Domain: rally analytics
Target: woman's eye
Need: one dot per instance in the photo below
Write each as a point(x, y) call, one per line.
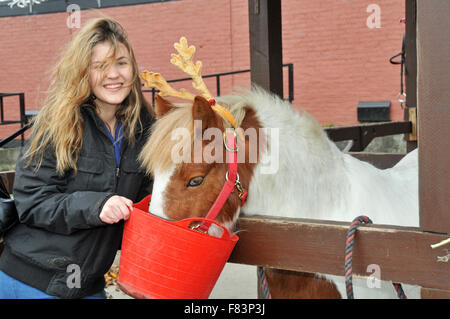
point(195, 181)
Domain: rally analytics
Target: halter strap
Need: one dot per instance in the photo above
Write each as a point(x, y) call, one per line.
point(228, 187)
point(231, 181)
point(231, 177)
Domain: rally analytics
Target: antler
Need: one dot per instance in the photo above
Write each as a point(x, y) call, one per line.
point(184, 61)
point(156, 80)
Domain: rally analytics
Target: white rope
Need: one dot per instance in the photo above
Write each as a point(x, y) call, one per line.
point(442, 243)
point(442, 259)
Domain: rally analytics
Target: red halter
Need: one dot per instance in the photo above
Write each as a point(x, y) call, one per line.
point(232, 179)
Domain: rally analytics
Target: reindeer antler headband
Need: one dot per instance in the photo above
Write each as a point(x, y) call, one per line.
point(184, 61)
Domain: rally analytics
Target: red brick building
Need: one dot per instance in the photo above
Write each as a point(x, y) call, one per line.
point(340, 49)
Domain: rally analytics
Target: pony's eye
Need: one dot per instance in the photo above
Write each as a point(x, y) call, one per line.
point(195, 181)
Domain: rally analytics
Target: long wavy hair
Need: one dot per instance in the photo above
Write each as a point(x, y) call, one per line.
point(59, 123)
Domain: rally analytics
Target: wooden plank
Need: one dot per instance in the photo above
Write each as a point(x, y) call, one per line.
point(266, 56)
point(403, 254)
point(429, 293)
point(412, 111)
point(433, 52)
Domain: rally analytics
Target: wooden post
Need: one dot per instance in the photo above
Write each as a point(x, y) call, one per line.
point(266, 57)
point(265, 45)
point(433, 70)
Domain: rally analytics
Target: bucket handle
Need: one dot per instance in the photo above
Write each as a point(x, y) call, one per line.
point(185, 223)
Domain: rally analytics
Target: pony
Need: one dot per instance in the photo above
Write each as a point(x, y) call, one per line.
point(288, 167)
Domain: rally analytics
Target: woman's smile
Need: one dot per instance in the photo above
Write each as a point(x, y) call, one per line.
point(113, 87)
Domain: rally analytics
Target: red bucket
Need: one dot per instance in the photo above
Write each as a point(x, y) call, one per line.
point(168, 260)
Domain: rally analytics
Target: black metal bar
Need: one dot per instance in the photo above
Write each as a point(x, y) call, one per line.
point(362, 135)
point(23, 118)
point(290, 81)
point(22, 121)
point(14, 135)
point(7, 122)
point(218, 85)
point(1, 109)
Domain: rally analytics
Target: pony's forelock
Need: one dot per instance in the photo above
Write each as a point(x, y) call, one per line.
point(156, 155)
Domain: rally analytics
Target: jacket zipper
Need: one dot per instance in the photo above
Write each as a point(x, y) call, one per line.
point(117, 179)
point(118, 167)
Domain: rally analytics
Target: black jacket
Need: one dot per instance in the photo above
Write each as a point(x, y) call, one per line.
point(60, 234)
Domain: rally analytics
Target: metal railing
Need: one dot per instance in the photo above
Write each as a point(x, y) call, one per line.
point(218, 76)
point(22, 120)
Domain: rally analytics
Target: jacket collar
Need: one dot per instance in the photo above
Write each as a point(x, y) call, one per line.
point(88, 108)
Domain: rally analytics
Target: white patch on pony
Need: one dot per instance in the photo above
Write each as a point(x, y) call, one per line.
point(217, 231)
point(160, 182)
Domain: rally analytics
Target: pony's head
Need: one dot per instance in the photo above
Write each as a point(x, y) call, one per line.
point(188, 159)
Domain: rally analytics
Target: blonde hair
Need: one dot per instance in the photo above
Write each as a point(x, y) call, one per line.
point(59, 123)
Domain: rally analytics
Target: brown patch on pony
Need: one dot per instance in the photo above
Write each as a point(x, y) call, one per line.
point(287, 284)
point(184, 202)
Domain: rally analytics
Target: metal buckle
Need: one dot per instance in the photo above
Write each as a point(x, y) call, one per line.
point(237, 177)
point(239, 188)
point(237, 184)
point(225, 141)
point(198, 228)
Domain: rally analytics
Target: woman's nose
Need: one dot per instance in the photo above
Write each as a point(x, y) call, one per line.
point(112, 71)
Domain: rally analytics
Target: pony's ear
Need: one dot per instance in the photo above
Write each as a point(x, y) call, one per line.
point(162, 106)
point(202, 111)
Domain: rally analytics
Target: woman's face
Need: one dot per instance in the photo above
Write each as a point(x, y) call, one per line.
point(111, 85)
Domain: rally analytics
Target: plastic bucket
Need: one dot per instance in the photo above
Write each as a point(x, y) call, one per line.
point(167, 260)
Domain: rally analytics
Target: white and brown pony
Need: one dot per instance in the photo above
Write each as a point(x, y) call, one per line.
point(289, 167)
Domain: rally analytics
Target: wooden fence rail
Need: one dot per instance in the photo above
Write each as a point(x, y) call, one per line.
point(403, 254)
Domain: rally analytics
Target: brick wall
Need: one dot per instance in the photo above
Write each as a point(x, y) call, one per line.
point(338, 60)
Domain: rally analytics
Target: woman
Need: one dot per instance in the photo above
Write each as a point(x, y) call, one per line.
point(78, 177)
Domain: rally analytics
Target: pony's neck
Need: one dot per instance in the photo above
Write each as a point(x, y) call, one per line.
point(302, 173)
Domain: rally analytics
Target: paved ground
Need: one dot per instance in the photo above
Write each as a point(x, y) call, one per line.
point(236, 282)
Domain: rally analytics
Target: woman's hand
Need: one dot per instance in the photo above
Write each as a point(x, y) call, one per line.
point(115, 209)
